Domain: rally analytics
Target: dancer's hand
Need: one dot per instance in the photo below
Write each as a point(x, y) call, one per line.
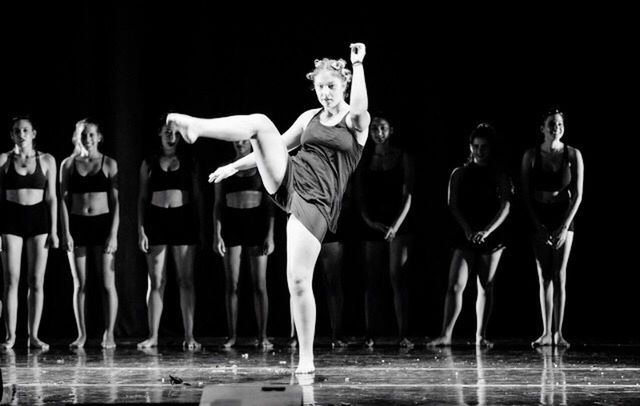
point(268, 246)
point(111, 245)
point(52, 241)
point(221, 173)
point(67, 244)
point(143, 242)
point(218, 246)
point(390, 234)
point(358, 51)
point(559, 237)
point(479, 237)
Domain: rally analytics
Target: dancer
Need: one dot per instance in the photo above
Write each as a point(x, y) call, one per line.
point(169, 200)
point(243, 223)
point(29, 220)
point(308, 186)
point(90, 216)
point(552, 181)
point(384, 184)
point(479, 199)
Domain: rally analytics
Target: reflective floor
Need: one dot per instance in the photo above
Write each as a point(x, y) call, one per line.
point(510, 373)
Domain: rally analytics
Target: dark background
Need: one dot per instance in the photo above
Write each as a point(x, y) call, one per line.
point(435, 74)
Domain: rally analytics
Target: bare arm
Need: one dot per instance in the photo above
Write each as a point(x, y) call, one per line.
point(407, 192)
point(505, 190)
point(359, 100)
point(525, 179)
point(198, 201)
point(218, 242)
point(114, 207)
point(143, 198)
point(65, 202)
point(50, 197)
point(454, 194)
point(577, 166)
point(3, 163)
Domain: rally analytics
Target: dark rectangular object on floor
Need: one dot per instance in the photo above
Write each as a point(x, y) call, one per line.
point(251, 394)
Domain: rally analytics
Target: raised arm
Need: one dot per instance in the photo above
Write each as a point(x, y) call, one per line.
point(359, 101)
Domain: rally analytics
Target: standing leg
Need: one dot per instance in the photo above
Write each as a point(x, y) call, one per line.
point(258, 266)
point(231, 261)
point(372, 259)
point(560, 260)
point(184, 256)
point(543, 254)
point(13, 254)
point(458, 275)
point(37, 254)
point(486, 266)
point(157, 268)
point(302, 252)
point(398, 273)
point(78, 266)
point(105, 264)
point(331, 264)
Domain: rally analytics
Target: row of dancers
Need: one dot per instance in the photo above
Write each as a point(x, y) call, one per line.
point(308, 185)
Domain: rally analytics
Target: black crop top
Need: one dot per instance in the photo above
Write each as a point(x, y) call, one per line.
point(242, 183)
point(89, 183)
point(13, 180)
point(551, 181)
point(160, 179)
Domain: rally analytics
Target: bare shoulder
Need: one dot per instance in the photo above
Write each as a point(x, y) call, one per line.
point(457, 172)
point(110, 163)
point(574, 153)
point(306, 117)
point(67, 162)
point(47, 159)
point(4, 157)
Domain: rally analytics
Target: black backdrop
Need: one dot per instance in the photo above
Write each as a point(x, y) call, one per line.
point(436, 75)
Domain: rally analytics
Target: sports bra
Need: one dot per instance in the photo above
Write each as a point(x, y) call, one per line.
point(160, 180)
point(89, 183)
point(13, 180)
point(549, 180)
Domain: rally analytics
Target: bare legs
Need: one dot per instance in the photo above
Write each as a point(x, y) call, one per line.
point(461, 262)
point(331, 262)
point(258, 267)
point(303, 250)
point(156, 262)
point(37, 254)
point(104, 264)
point(552, 273)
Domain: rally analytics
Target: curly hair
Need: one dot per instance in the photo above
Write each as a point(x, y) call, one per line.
point(337, 66)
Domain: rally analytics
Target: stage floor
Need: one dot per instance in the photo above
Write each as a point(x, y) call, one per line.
point(510, 373)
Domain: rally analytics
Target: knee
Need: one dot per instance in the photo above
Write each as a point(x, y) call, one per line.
point(260, 290)
point(185, 283)
point(456, 288)
point(157, 282)
point(261, 121)
point(35, 283)
point(231, 288)
point(299, 286)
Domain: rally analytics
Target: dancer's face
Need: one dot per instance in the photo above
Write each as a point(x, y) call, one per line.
point(22, 133)
point(329, 88)
point(242, 147)
point(90, 137)
point(553, 128)
point(380, 130)
point(480, 150)
point(169, 137)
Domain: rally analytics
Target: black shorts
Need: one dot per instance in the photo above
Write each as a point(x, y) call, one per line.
point(170, 226)
point(494, 242)
point(552, 215)
point(89, 230)
point(25, 221)
point(245, 227)
point(292, 203)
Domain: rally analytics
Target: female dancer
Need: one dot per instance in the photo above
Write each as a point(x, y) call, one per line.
point(243, 222)
point(90, 215)
point(169, 199)
point(29, 220)
point(552, 180)
point(308, 186)
point(479, 199)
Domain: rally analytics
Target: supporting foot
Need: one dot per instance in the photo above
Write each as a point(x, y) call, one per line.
point(442, 341)
point(35, 342)
point(542, 341)
point(148, 343)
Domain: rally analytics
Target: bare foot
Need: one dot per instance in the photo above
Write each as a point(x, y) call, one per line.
point(35, 342)
point(8, 344)
point(305, 366)
point(442, 341)
point(559, 341)
point(148, 343)
point(184, 124)
point(231, 341)
point(79, 342)
point(483, 342)
point(542, 341)
point(368, 342)
point(191, 344)
point(339, 343)
point(108, 341)
point(265, 344)
point(405, 343)
point(292, 342)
